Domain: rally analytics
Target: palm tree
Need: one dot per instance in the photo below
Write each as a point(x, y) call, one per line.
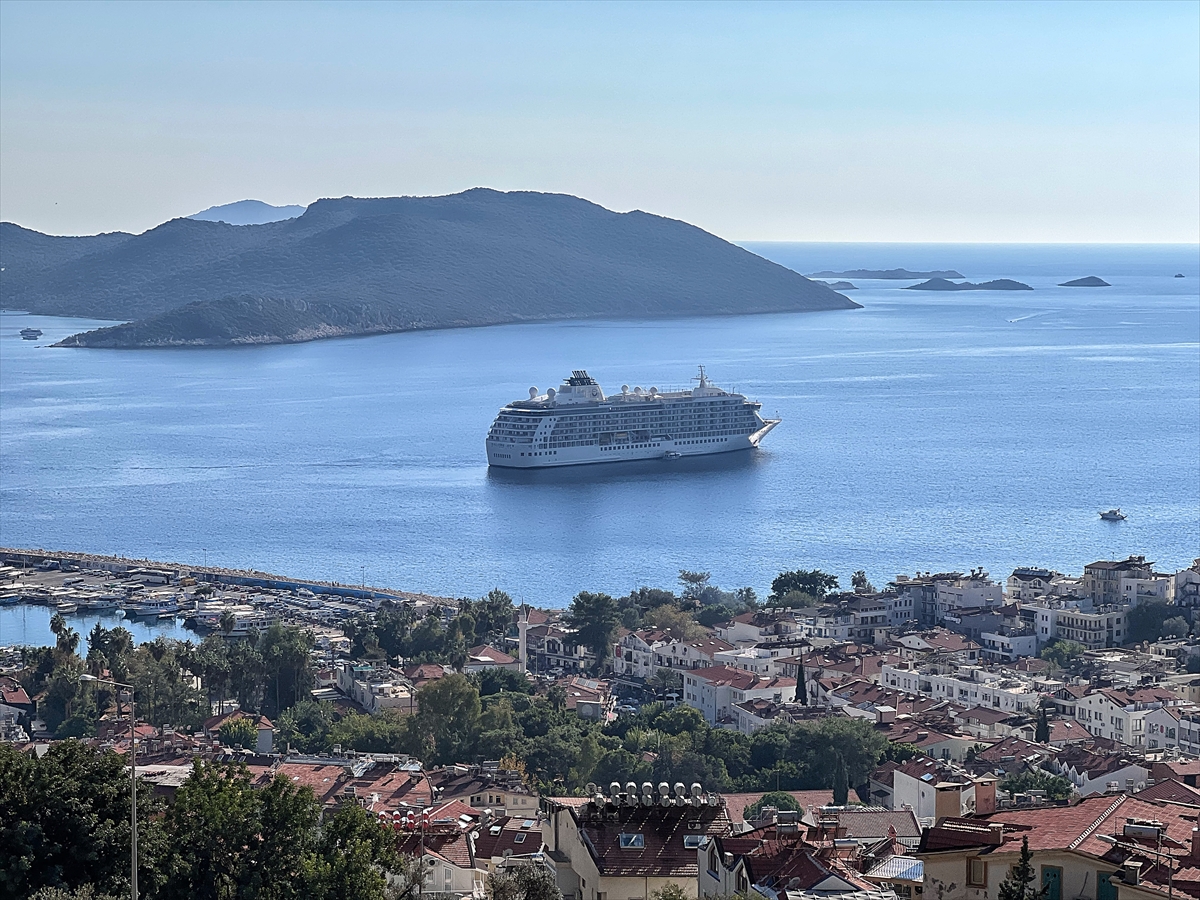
point(227, 622)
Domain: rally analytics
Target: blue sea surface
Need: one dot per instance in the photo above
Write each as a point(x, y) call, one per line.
point(925, 431)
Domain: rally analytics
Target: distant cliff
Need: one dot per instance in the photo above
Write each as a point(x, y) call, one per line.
point(354, 266)
point(941, 284)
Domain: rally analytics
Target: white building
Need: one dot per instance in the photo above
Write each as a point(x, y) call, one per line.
point(1078, 620)
point(698, 654)
point(1120, 715)
point(758, 660)
point(1029, 583)
point(633, 654)
point(764, 626)
point(1008, 645)
point(715, 689)
point(374, 687)
point(969, 685)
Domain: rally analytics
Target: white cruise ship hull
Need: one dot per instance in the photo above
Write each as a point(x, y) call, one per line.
point(507, 456)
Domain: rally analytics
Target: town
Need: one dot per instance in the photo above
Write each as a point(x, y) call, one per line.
point(948, 735)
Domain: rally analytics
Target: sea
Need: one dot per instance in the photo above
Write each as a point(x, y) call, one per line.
point(922, 432)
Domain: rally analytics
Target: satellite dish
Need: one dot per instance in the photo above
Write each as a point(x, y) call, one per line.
point(624, 389)
point(653, 391)
point(533, 392)
point(550, 394)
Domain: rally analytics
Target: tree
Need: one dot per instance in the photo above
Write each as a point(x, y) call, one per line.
point(841, 784)
point(1144, 622)
point(669, 892)
point(239, 732)
point(861, 585)
point(693, 583)
point(227, 622)
point(1042, 733)
point(1019, 883)
point(1055, 786)
point(526, 881)
point(1176, 626)
point(594, 618)
point(64, 823)
point(777, 799)
point(447, 720)
point(671, 618)
point(494, 680)
point(1062, 653)
point(801, 685)
point(813, 582)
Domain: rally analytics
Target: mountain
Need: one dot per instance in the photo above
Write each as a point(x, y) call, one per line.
point(1088, 281)
point(941, 284)
point(887, 274)
point(248, 212)
point(355, 266)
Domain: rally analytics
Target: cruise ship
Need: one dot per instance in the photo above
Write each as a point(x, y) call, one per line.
point(578, 424)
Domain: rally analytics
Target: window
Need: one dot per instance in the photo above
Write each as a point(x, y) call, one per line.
point(632, 841)
point(519, 837)
point(976, 872)
point(692, 841)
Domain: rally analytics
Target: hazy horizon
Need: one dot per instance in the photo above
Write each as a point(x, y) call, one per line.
point(845, 122)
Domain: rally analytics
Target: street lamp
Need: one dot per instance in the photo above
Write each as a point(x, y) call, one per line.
point(133, 885)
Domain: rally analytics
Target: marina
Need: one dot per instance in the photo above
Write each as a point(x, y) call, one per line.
point(154, 600)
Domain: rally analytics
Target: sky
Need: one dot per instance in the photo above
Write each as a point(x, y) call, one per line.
point(896, 121)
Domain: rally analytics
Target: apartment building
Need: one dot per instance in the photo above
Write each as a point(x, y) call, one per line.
point(968, 685)
point(634, 653)
point(1079, 620)
point(1030, 583)
point(714, 690)
point(1120, 715)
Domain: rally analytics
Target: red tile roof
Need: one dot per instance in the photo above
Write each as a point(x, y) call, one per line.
point(739, 679)
point(485, 654)
point(663, 854)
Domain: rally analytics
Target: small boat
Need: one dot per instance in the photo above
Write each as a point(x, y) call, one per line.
point(1113, 515)
point(66, 608)
point(672, 454)
point(31, 334)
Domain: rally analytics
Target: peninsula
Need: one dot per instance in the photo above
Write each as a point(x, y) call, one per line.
point(887, 274)
point(1089, 281)
point(941, 284)
point(365, 266)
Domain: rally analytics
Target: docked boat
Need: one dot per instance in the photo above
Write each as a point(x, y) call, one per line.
point(578, 424)
point(66, 607)
point(31, 334)
point(1113, 515)
point(153, 607)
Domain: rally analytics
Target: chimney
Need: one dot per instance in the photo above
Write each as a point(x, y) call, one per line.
point(995, 831)
point(1133, 872)
point(948, 800)
point(985, 796)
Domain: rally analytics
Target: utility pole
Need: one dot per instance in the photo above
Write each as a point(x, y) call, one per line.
point(133, 865)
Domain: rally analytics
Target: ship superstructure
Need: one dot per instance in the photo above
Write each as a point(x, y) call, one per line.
point(578, 424)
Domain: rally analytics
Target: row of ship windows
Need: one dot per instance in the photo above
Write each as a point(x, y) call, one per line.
point(496, 435)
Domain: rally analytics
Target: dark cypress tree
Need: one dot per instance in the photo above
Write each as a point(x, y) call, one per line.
point(1019, 883)
point(1042, 733)
point(841, 783)
point(801, 686)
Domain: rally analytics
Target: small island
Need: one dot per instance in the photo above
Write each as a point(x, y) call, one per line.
point(941, 284)
point(1089, 281)
point(887, 274)
point(841, 285)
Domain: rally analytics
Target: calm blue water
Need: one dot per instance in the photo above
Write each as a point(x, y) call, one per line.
point(926, 431)
point(31, 625)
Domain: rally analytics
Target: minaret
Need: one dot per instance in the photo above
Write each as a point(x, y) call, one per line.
point(522, 628)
